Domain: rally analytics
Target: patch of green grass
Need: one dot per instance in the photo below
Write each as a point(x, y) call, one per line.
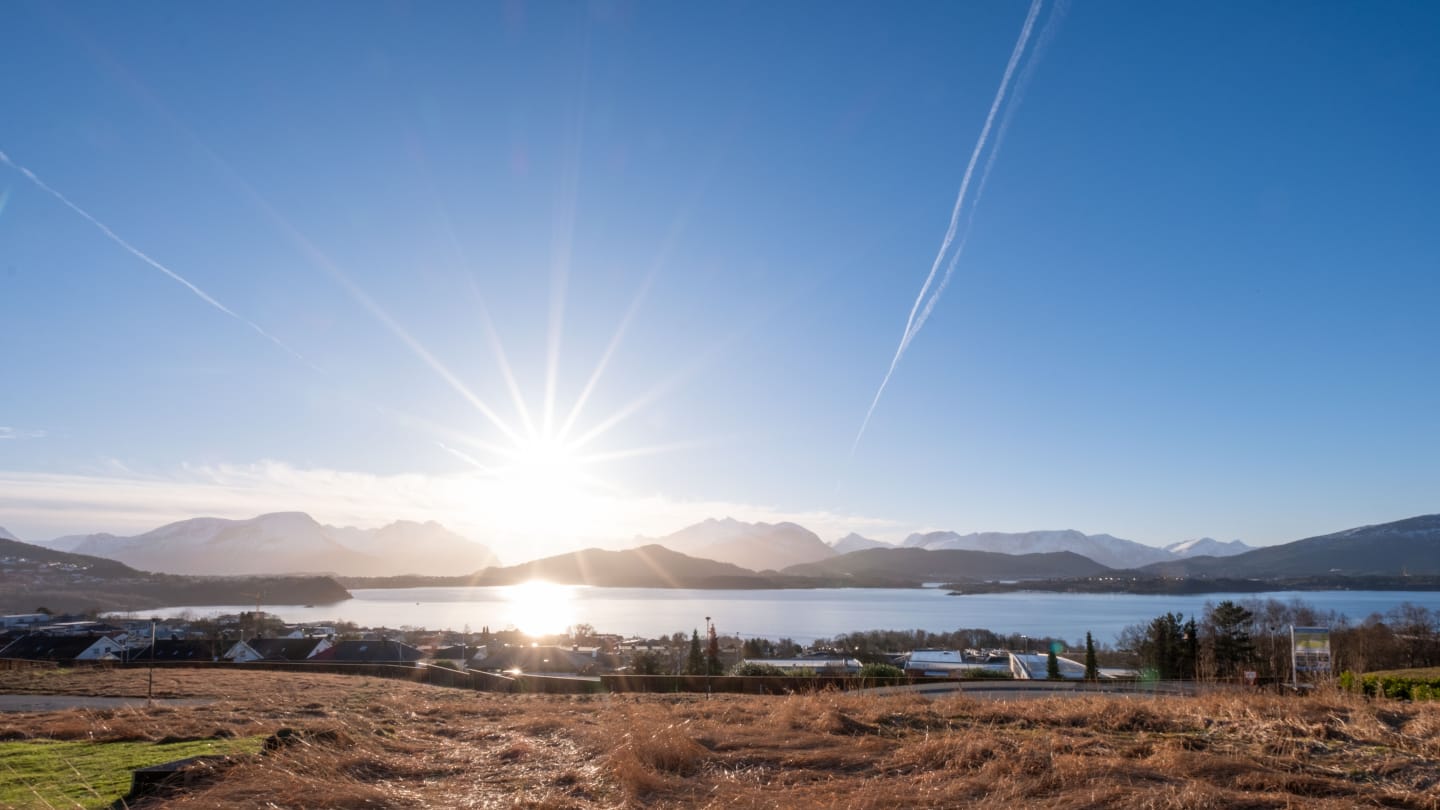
point(47, 773)
point(1426, 674)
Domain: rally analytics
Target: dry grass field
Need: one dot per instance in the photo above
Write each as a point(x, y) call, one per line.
point(370, 743)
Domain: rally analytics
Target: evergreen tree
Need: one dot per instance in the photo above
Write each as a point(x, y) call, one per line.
point(1232, 645)
point(695, 663)
point(1190, 650)
point(1052, 666)
point(1163, 647)
point(1092, 665)
point(647, 663)
point(712, 655)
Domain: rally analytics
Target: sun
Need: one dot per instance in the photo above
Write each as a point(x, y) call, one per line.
point(540, 489)
point(538, 608)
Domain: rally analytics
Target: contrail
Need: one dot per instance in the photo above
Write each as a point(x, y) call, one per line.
point(1017, 96)
point(912, 323)
point(139, 254)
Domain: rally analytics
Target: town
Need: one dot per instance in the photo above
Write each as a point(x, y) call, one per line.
point(582, 652)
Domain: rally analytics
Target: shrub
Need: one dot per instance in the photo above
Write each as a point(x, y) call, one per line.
point(1400, 687)
point(756, 668)
point(981, 674)
point(887, 671)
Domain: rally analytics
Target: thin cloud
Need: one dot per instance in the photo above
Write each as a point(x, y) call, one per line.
point(13, 433)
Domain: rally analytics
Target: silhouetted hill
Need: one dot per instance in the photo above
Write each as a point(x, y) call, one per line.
point(914, 565)
point(1410, 546)
point(33, 576)
point(754, 546)
point(649, 566)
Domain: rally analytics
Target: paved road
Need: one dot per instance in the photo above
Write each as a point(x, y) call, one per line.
point(55, 703)
point(1035, 690)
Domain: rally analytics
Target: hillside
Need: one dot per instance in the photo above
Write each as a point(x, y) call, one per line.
point(908, 566)
point(287, 542)
point(1400, 548)
point(650, 566)
point(756, 546)
point(31, 576)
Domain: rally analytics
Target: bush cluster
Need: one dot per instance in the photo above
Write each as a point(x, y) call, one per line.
point(1396, 687)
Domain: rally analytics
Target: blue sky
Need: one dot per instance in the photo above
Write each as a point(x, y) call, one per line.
point(1198, 296)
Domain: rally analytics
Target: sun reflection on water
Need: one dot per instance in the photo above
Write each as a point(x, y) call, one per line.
point(539, 608)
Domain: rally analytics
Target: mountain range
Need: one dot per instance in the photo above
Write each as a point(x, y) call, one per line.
point(1108, 550)
point(285, 543)
point(749, 554)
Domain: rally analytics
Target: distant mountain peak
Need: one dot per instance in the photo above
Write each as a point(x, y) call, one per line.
point(856, 542)
point(755, 546)
point(6, 535)
point(1207, 546)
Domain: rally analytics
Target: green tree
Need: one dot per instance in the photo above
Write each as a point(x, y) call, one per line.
point(695, 663)
point(1168, 646)
point(1092, 665)
point(1231, 645)
point(1190, 650)
point(648, 663)
point(1052, 666)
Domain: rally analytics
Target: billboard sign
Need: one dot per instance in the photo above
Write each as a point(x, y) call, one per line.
point(1310, 648)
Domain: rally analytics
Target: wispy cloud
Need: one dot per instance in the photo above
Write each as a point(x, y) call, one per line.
point(475, 504)
point(20, 433)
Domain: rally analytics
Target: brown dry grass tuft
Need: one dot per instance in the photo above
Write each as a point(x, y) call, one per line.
point(377, 744)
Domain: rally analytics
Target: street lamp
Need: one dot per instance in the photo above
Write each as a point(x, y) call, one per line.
point(710, 654)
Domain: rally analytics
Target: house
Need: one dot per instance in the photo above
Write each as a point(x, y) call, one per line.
point(471, 654)
point(369, 651)
point(24, 620)
point(952, 663)
point(45, 647)
point(548, 658)
point(277, 649)
point(171, 649)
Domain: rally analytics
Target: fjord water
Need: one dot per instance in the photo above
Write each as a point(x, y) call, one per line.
point(803, 615)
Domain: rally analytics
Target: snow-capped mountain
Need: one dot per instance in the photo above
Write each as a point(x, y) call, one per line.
point(286, 542)
point(854, 542)
point(1102, 548)
point(757, 546)
point(1207, 547)
point(6, 535)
